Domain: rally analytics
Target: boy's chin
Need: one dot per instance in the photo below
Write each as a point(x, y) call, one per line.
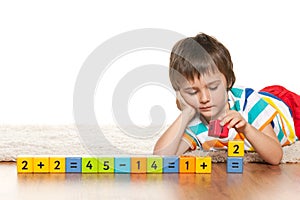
point(208, 117)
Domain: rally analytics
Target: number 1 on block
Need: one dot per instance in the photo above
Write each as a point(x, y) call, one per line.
point(187, 164)
point(138, 165)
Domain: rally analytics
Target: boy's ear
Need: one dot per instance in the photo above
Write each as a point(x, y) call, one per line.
point(178, 104)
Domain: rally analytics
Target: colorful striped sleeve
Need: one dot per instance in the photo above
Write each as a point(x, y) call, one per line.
point(191, 139)
point(256, 110)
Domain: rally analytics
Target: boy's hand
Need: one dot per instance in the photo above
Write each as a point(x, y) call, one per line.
point(184, 106)
point(234, 119)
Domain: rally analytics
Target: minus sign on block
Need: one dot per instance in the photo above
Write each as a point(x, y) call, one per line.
point(122, 165)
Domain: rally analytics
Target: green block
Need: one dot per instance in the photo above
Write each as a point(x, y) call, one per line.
point(89, 165)
point(154, 165)
point(106, 165)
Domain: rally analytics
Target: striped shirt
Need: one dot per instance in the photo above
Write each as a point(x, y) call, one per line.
point(259, 109)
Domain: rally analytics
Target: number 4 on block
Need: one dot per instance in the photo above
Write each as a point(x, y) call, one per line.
point(154, 164)
point(89, 165)
point(236, 148)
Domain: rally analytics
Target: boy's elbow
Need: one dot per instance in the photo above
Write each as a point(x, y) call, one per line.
point(276, 160)
point(158, 151)
point(161, 151)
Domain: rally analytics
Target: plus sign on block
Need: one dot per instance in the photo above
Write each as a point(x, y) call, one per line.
point(203, 165)
point(41, 164)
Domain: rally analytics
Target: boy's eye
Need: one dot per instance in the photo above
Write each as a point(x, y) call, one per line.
point(192, 92)
point(213, 88)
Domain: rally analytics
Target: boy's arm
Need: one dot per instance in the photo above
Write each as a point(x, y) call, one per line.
point(264, 141)
point(170, 143)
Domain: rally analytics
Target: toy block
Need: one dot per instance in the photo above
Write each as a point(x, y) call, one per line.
point(106, 165)
point(171, 164)
point(89, 165)
point(138, 165)
point(234, 165)
point(203, 165)
point(154, 164)
point(57, 164)
point(122, 165)
point(187, 164)
point(216, 130)
point(73, 164)
point(24, 164)
point(235, 148)
point(41, 164)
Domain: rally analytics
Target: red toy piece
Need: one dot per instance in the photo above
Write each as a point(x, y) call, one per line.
point(216, 130)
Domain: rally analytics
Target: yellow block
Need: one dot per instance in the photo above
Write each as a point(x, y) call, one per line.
point(236, 148)
point(41, 164)
point(187, 164)
point(25, 164)
point(203, 165)
point(57, 164)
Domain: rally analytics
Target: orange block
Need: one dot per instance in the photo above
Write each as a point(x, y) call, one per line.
point(187, 164)
point(138, 165)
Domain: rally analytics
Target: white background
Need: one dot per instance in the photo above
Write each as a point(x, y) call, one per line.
point(43, 45)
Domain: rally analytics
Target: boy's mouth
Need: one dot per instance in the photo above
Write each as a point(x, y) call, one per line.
point(205, 108)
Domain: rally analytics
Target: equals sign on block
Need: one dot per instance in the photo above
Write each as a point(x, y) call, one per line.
point(171, 165)
point(235, 164)
point(73, 164)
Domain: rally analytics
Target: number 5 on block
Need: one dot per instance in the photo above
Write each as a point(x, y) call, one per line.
point(236, 148)
point(106, 165)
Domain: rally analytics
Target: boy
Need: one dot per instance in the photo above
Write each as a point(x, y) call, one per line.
point(201, 72)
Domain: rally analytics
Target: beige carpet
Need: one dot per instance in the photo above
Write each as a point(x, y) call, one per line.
point(66, 140)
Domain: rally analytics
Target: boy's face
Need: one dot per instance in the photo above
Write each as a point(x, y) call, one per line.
point(207, 94)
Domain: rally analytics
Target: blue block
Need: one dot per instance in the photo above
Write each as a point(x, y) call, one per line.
point(235, 164)
point(122, 165)
point(170, 164)
point(73, 165)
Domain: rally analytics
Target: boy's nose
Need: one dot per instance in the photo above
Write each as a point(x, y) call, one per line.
point(204, 97)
